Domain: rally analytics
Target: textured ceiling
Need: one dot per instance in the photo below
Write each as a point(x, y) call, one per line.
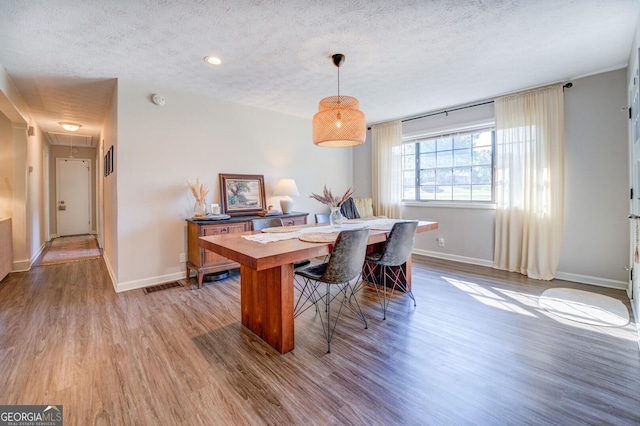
point(402, 57)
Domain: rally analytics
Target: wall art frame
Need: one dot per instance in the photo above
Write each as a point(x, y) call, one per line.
point(242, 194)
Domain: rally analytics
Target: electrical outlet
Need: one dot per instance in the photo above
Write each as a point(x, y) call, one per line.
point(441, 242)
point(183, 258)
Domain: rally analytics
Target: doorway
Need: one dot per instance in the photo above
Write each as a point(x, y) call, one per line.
point(73, 196)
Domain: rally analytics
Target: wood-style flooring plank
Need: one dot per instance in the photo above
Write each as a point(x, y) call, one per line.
point(476, 350)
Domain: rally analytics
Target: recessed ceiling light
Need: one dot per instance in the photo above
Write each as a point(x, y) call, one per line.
point(71, 127)
point(212, 60)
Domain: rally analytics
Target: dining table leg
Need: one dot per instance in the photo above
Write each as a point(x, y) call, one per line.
point(266, 299)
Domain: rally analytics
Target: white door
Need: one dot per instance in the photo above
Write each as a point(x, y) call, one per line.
point(634, 140)
point(73, 189)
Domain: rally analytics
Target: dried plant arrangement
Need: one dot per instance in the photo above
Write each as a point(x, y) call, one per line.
point(199, 190)
point(328, 199)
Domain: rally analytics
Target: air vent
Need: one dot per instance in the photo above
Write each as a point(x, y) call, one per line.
point(159, 287)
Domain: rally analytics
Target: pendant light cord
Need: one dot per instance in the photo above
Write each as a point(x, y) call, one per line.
point(338, 85)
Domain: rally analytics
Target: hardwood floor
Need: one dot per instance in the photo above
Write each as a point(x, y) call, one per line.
point(476, 350)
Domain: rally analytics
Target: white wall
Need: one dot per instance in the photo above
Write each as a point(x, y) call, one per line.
point(107, 186)
point(362, 170)
point(160, 148)
point(596, 242)
point(633, 57)
point(6, 167)
point(37, 146)
point(25, 178)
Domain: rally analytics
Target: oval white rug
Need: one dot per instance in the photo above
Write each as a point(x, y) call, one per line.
point(585, 307)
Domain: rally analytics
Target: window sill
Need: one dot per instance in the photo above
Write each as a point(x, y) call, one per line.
point(449, 205)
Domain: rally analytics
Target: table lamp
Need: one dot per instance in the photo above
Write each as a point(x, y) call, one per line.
point(287, 188)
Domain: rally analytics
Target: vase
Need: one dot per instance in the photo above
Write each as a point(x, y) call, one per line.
point(199, 209)
point(335, 217)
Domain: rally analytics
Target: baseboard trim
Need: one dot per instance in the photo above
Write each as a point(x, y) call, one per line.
point(21, 265)
point(132, 285)
point(38, 254)
point(583, 279)
point(146, 282)
point(454, 257)
point(110, 271)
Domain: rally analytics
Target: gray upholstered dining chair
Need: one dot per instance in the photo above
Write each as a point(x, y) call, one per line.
point(267, 222)
point(349, 209)
point(344, 265)
point(322, 217)
point(384, 268)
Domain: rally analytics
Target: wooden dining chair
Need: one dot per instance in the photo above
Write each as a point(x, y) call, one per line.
point(385, 269)
point(344, 265)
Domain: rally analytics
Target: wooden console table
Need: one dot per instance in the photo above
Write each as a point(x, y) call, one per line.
point(203, 261)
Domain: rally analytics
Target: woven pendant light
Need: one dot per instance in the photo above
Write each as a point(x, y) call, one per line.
point(339, 121)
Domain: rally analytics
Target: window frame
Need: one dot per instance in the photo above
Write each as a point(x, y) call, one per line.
point(441, 134)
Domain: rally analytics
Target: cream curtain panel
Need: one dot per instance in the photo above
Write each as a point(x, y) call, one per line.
point(529, 182)
point(387, 169)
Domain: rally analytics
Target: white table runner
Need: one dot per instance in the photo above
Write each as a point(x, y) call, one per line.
point(268, 237)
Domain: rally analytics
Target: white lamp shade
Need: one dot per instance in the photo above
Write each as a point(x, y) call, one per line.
point(287, 187)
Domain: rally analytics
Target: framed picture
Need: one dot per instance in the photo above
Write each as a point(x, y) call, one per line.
point(242, 194)
point(111, 169)
point(108, 161)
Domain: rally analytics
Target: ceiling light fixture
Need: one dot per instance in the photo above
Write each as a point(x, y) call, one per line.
point(71, 127)
point(212, 60)
point(339, 121)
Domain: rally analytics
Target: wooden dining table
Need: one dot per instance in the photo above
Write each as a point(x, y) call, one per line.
point(267, 279)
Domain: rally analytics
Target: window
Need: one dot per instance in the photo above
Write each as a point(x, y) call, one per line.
point(452, 167)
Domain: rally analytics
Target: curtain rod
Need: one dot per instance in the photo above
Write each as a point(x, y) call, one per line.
point(447, 111)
